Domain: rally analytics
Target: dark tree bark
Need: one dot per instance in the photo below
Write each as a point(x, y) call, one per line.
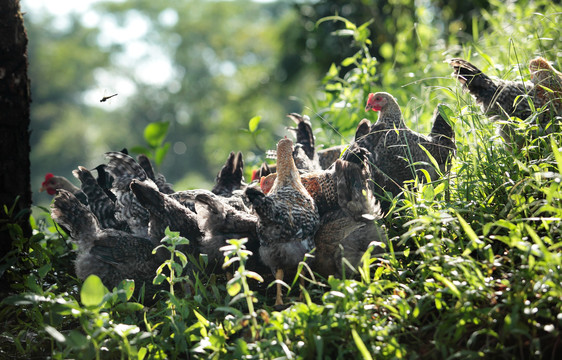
point(14, 123)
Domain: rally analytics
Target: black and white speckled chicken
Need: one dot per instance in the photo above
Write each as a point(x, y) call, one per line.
point(231, 176)
point(111, 254)
point(288, 217)
point(304, 152)
point(398, 153)
point(158, 178)
point(52, 183)
point(124, 170)
point(347, 211)
point(101, 205)
point(165, 212)
point(220, 222)
point(497, 97)
point(348, 231)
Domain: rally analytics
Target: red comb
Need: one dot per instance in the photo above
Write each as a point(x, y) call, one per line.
point(48, 176)
point(254, 174)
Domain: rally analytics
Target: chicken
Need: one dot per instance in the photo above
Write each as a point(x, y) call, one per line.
point(348, 231)
point(52, 183)
point(321, 186)
point(105, 181)
point(347, 209)
point(220, 222)
point(165, 212)
point(328, 156)
point(264, 170)
point(304, 152)
point(124, 169)
point(341, 236)
point(111, 254)
point(548, 84)
point(231, 176)
point(395, 153)
point(207, 228)
point(288, 217)
point(498, 98)
point(158, 179)
point(98, 201)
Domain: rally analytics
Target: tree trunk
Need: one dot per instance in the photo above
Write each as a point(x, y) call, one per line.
point(14, 124)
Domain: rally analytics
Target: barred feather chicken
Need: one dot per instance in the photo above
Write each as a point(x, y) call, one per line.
point(124, 169)
point(105, 181)
point(111, 254)
point(498, 98)
point(158, 179)
point(231, 176)
point(165, 212)
point(288, 217)
point(207, 228)
point(220, 222)
point(396, 153)
point(101, 205)
point(548, 84)
point(52, 183)
point(347, 211)
point(304, 152)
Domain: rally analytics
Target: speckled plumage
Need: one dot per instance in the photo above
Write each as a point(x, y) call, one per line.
point(349, 230)
point(220, 222)
point(98, 201)
point(164, 212)
point(328, 156)
point(111, 254)
point(288, 216)
point(497, 97)
point(124, 169)
point(159, 179)
point(231, 176)
point(394, 152)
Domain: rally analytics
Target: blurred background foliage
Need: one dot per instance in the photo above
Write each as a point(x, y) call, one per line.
point(207, 67)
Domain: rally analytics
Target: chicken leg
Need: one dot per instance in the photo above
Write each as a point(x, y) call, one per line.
point(279, 296)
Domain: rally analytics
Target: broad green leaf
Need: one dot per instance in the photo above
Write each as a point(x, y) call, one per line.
point(160, 153)
point(43, 270)
point(253, 123)
point(155, 133)
point(159, 279)
point(128, 286)
point(76, 340)
point(92, 291)
point(129, 307)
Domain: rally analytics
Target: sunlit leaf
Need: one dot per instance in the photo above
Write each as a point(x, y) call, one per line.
point(55, 333)
point(234, 288)
point(155, 133)
point(253, 123)
point(92, 291)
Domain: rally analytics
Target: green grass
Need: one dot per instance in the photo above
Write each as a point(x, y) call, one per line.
point(472, 268)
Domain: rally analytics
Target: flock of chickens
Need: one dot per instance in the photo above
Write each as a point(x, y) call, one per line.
point(313, 206)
